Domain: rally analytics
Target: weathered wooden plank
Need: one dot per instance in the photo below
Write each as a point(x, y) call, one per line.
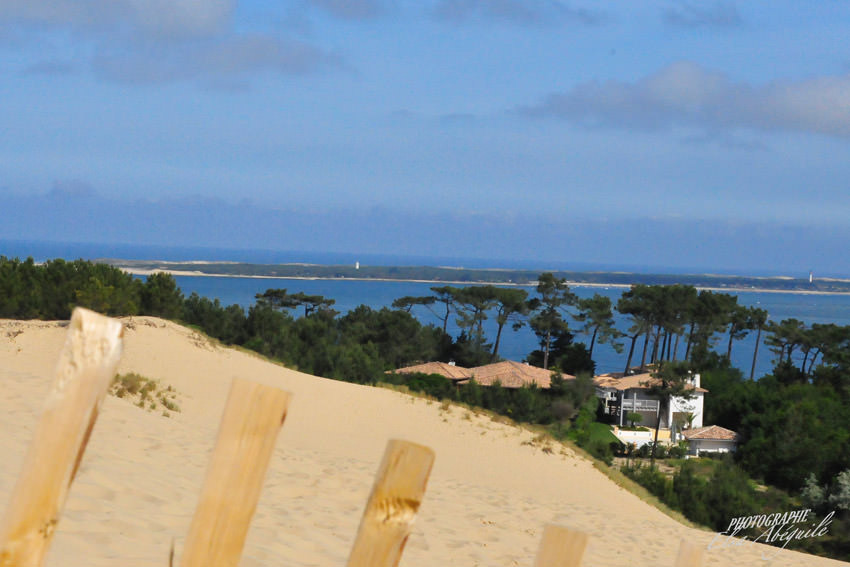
point(83, 375)
point(690, 555)
point(252, 418)
point(392, 506)
point(560, 547)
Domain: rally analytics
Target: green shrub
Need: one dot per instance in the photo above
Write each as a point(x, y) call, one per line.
point(645, 451)
point(678, 451)
point(144, 392)
point(634, 417)
point(655, 481)
point(601, 450)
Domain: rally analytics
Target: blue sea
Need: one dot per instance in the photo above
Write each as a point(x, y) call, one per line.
point(348, 294)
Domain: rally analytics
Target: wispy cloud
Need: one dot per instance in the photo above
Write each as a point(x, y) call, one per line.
point(726, 140)
point(50, 68)
point(457, 119)
point(686, 94)
point(703, 14)
point(519, 12)
point(213, 60)
point(350, 9)
point(155, 17)
point(161, 41)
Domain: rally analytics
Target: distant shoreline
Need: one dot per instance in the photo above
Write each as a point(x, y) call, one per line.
point(617, 285)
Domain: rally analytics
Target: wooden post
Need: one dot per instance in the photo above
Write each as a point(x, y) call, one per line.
point(560, 547)
point(83, 375)
point(252, 418)
point(690, 555)
point(392, 506)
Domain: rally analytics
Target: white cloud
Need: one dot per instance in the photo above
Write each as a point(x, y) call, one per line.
point(156, 17)
point(686, 94)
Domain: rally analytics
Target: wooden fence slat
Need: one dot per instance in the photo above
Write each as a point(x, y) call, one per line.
point(392, 506)
point(83, 375)
point(560, 547)
point(690, 555)
point(252, 418)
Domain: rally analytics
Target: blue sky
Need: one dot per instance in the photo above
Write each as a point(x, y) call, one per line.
point(671, 133)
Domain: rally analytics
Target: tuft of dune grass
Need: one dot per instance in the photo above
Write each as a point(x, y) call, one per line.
point(145, 393)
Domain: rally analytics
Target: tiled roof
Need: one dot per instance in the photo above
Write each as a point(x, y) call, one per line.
point(508, 373)
point(450, 371)
point(711, 432)
point(512, 374)
point(619, 382)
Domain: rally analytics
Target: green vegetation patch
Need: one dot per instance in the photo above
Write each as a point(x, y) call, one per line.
point(145, 393)
point(601, 433)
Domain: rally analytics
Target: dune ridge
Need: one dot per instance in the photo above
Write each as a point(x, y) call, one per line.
point(489, 497)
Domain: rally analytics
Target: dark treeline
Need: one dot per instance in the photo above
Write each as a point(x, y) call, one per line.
point(794, 423)
point(51, 290)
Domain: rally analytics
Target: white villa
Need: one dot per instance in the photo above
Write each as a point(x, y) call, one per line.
point(626, 394)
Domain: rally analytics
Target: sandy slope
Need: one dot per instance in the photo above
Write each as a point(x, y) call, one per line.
point(488, 499)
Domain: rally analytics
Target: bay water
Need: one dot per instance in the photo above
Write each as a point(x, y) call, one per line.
point(348, 294)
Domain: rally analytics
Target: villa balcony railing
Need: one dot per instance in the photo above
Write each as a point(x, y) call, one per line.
point(640, 405)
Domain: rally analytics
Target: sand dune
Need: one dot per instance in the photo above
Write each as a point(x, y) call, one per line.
point(489, 496)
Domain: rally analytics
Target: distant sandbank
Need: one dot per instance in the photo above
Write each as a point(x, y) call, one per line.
point(198, 273)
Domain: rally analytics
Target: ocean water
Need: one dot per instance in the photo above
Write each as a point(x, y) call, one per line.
point(349, 294)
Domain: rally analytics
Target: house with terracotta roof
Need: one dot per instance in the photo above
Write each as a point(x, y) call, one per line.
point(623, 394)
point(457, 374)
point(711, 439)
point(507, 373)
point(512, 374)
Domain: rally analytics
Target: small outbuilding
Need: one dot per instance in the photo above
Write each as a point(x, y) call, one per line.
point(710, 439)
